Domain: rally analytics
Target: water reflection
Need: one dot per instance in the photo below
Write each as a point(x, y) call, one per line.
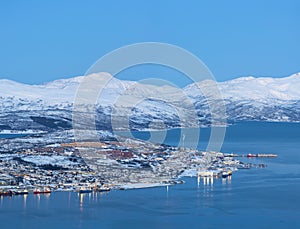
point(209, 181)
point(206, 184)
point(47, 195)
point(38, 196)
point(92, 197)
point(25, 200)
point(226, 180)
point(81, 201)
point(82, 196)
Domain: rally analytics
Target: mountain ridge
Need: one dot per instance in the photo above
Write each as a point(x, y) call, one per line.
point(49, 106)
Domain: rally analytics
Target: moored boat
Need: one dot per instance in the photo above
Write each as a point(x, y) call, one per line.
point(6, 193)
point(104, 189)
point(81, 191)
point(261, 155)
point(226, 174)
point(42, 191)
point(20, 192)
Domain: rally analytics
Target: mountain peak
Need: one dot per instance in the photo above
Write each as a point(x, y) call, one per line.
point(62, 83)
point(247, 88)
point(8, 82)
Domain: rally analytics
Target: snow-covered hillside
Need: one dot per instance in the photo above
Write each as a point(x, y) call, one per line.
point(251, 88)
point(49, 106)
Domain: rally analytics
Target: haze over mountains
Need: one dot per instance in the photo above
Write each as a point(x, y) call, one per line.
point(49, 106)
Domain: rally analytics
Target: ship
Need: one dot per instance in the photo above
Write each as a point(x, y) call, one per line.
point(104, 189)
point(42, 191)
point(251, 155)
point(226, 174)
point(262, 155)
point(6, 193)
point(81, 191)
point(20, 192)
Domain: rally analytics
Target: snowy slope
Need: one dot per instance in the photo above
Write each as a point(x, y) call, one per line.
point(247, 98)
point(250, 98)
point(52, 93)
point(251, 88)
point(244, 88)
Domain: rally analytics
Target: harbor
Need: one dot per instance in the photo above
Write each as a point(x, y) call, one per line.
point(59, 163)
point(163, 169)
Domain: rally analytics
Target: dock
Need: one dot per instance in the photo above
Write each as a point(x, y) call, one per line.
point(209, 173)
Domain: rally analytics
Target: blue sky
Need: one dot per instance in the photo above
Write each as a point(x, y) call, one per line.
point(45, 40)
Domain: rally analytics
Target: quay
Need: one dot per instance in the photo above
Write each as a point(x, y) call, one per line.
point(209, 173)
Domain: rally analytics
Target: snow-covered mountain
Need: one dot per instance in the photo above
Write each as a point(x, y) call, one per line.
point(49, 106)
point(260, 99)
point(259, 89)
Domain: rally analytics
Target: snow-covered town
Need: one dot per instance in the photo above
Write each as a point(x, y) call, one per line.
point(42, 164)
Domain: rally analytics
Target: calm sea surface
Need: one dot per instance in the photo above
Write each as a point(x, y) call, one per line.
point(12, 135)
point(255, 198)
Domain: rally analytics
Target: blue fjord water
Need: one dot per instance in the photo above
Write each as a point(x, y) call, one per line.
point(12, 135)
point(255, 198)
